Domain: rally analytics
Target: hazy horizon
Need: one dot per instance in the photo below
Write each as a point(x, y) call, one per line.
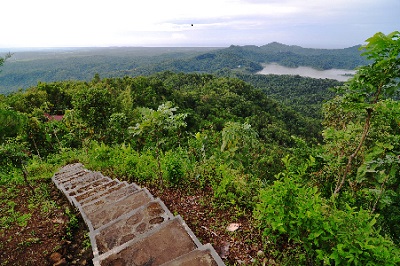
point(330, 24)
point(43, 49)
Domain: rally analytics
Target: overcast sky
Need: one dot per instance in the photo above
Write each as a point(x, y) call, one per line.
point(309, 23)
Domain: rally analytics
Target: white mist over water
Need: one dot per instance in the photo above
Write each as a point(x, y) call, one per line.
point(338, 74)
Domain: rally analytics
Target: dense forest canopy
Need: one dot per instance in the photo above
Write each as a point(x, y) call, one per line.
point(319, 194)
point(27, 68)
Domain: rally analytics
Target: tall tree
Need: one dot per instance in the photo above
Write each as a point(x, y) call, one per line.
point(370, 87)
point(94, 107)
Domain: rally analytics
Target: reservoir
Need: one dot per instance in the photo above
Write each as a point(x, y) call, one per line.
point(338, 74)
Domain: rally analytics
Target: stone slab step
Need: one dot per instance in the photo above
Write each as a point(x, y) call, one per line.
point(101, 194)
point(109, 211)
point(68, 176)
point(170, 240)
point(89, 186)
point(81, 181)
point(68, 169)
point(129, 226)
point(110, 198)
point(202, 256)
point(80, 197)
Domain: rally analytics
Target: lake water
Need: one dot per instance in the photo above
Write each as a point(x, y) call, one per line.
point(338, 74)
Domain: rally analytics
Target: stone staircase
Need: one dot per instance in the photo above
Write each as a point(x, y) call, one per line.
point(127, 225)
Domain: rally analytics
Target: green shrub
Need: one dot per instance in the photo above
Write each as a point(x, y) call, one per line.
point(174, 165)
point(289, 213)
point(234, 188)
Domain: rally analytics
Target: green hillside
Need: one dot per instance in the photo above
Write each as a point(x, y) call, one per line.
point(26, 69)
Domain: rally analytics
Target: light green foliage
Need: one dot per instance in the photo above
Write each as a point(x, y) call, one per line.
point(10, 216)
point(239, 141)
point(157, 122)
point(122, 160)
point(12, 124)
point(117, 128)
point(362, 132)
point(234, 188)
point(13, 155)
point(73, 223)
point(176, 164)
point(157, 125)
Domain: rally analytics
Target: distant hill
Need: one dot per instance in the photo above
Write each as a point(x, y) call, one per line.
point(26, 68)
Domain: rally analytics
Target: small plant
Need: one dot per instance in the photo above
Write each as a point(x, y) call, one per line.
point(29, 242)
point(86, 243)
point(14, 217)
point(73, 223)
point(234, 188)
point(174, 166)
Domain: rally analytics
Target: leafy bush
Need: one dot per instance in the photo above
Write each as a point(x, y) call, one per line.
point(234, 188)
point(289, 213)
point(175, 164)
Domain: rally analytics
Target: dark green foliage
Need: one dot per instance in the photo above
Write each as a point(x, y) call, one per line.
point(175, 166)
point(304, 95)
point(83, 64)
point(12, 124)
point(94, 106)
point(13, 153)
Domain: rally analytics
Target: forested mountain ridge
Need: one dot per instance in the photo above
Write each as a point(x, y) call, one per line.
point(249, 59)
point(27, 68)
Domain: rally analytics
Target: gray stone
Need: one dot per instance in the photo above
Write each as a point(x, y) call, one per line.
point(167, 242)
point(80, 197)
point(129, 226)
point(110, 211)
point(89, 186)
point(81, 181)
point(104, 193)
point(109, 198)
point(68, 177)
point(202, 256)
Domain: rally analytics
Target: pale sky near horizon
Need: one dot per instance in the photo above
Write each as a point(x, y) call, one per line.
point(93, 23)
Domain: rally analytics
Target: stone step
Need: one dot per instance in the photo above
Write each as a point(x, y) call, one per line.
point(202, 256)
point(110, 211)
point(104, 193)
point(68, 169)
point(170, 240)
point(80, 197)
point(109, 198)
point(129, 226)
point(81, 181)
point(89, 186)
point(68, 176)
